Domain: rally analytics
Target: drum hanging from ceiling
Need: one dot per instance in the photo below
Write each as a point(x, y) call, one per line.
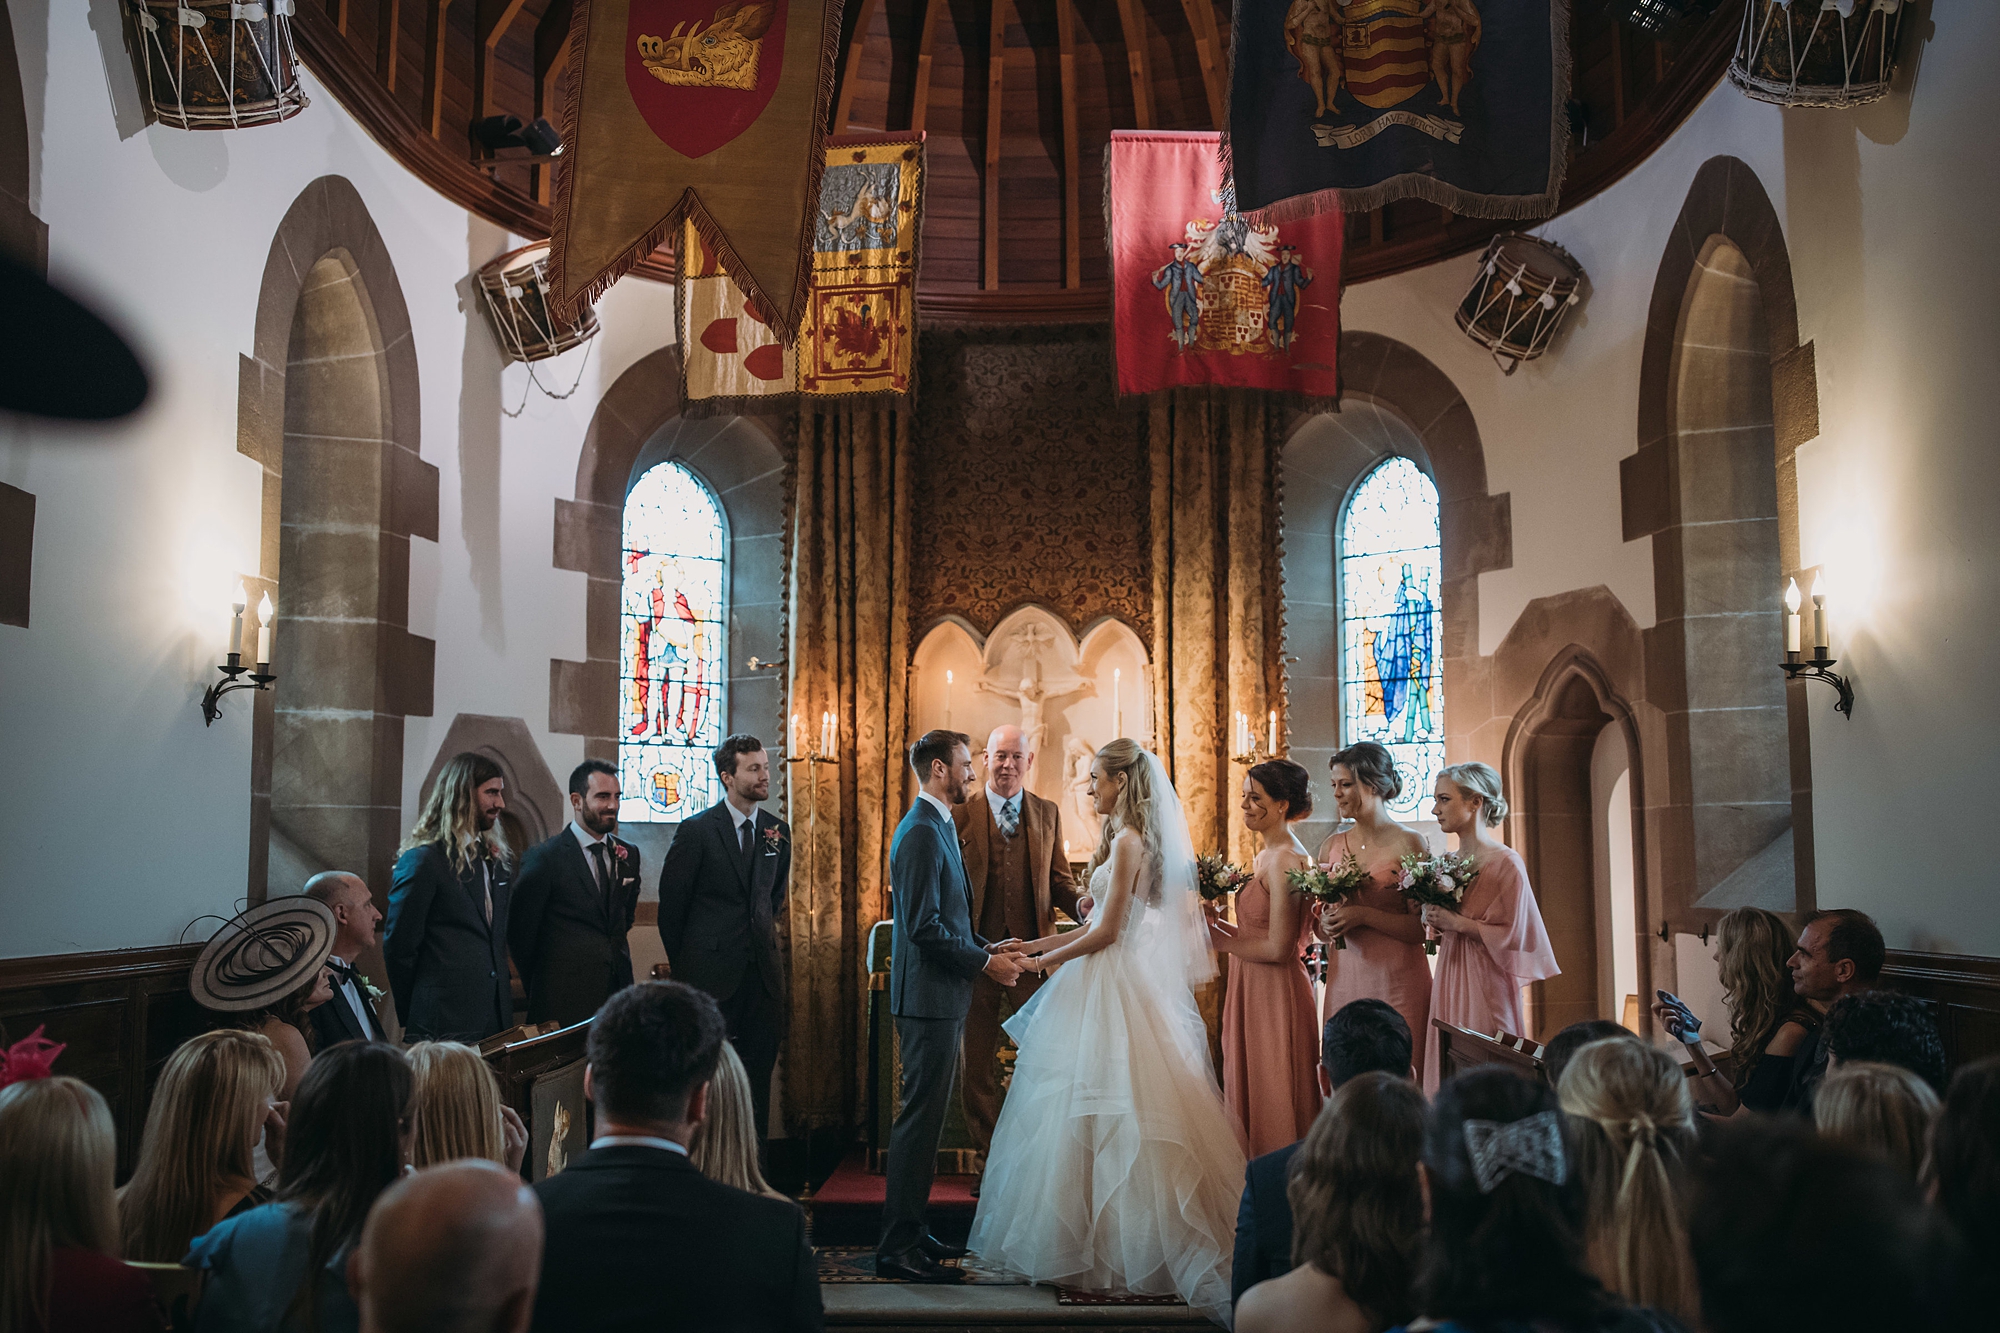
point(1816, 52)
point(216, 65)
point(1524, 288)
point(515, 287)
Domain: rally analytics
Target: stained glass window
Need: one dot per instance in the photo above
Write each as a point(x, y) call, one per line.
point(670, 647)
point(1391, 683)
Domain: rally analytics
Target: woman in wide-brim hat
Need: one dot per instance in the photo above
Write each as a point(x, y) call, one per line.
point(265, 970)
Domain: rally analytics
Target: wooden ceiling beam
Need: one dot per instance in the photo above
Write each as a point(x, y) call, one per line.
point(1208, 53)
point(434, 44)
point(388, 35)
point(1072, 155)
point(1132, 20)
point(920, 92)
point(996, 71)
point(490, 24)
point(851, 72)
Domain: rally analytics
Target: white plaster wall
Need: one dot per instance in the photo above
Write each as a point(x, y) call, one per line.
point(123, 817)
point(1887, 213)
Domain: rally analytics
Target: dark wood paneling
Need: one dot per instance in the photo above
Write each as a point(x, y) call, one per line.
point(1966, 991)
point(120, 1013)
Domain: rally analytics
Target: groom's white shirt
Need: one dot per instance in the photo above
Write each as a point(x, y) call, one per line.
point(940, 806)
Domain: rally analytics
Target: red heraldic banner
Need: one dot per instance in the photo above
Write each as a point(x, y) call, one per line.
point(1206, 297)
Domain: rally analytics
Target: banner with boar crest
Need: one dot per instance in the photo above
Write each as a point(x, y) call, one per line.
point(707, 111)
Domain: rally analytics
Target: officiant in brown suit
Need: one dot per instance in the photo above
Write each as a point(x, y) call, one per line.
point(1013, 853)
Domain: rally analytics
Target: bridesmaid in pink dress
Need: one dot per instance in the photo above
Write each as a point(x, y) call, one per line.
point(1384, 958)
point(1495, 943)
point(1270, 1049)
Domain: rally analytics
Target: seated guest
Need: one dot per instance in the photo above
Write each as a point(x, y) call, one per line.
point(1507, 1210)
point(282, 1268)
point(1358, 1214)
point(1771, 1025)
point(1791, 1232)
point(215, 1098)
point(1878, 1108)
point(1839, 953)
point(1963, 1175)
point(59, 1269)
point(458, 1110)
point(725, 1144)
point(1634, 1129)
point(1362, 1036)
point(1885, 1028)
point(453, 1249)
point(638, 1240)
point(351, 1014)
point(1562, 1047)
point(265, 972)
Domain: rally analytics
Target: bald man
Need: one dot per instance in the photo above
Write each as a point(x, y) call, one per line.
point(1014, 858)
point(453, 1249)
point(351, 1015)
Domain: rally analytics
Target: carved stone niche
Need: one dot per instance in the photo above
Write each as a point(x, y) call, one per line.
point(1071, 695)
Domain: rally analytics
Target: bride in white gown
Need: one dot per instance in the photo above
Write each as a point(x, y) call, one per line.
point(1115, 1165)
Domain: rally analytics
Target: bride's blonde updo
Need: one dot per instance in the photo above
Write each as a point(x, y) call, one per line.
point(1135, 803)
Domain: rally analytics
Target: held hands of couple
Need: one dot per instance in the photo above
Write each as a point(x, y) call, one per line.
point(1005, 962)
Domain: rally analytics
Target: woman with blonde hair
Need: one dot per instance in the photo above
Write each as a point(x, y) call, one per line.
point(458, 1112)
point(1770, 1025)
point(725, 1143)
point(58, 1216)
point(1882, 1109)
point(1495, 943)
point(1634, 1124)
point(214, 1101)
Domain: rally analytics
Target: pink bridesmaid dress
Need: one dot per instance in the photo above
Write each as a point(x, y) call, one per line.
point(1379, 966)
point(1479, 977)
point(1269, 1048)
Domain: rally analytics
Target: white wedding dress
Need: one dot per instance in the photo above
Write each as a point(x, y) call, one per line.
point(1115, 1165)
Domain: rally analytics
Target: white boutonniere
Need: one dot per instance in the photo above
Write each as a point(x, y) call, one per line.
point(369, 988)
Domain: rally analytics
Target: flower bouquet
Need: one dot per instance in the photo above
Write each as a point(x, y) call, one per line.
point(1336, 885)
point(1215, 876)
point(1436, 879)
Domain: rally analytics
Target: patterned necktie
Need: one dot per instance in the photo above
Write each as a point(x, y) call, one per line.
point(1010, 816)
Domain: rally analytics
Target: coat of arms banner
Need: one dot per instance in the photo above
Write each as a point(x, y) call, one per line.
point(1205, 296)
point(857, 337)
point(1460, 102)
point(712, 111)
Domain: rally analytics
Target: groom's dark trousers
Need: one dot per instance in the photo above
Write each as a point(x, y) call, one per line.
point(933, 958)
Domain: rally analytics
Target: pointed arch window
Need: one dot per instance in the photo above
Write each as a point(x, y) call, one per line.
point(672, 623)
point(1391, 570)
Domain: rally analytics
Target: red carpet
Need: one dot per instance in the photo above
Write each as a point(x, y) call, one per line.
point(852, 1183)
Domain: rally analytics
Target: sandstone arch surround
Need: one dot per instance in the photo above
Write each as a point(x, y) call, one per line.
point(331, 384)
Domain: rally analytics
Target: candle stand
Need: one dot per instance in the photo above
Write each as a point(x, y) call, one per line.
point(260, 679)
point(1818, 667)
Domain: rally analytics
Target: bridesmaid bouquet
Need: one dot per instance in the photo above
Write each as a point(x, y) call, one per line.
point(1436, 879)
point(1214, 876)
point(1337, 885)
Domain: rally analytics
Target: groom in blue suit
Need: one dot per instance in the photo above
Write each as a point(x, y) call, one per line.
point(934, 957)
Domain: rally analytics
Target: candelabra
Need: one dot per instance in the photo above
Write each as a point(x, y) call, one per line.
point(1819, 665)
point(234, 666)
point(1243, 743)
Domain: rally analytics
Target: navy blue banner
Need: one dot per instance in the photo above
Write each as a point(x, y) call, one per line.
point(1461, 102)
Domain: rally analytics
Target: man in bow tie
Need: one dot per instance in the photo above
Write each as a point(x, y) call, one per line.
point(352, 1015)
point(1014, 860)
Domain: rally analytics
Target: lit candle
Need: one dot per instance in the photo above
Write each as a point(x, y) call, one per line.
point(827, 734)
point(264, 618)
point(236, 625)
point(1820, 640)
point(1242, 733)
point(1792, 616)
point(797, 738)
point(1065, 849)
point(1117, 702)
point(947, 701)
point(1274, 733)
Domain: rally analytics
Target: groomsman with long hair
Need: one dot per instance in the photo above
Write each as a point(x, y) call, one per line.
point(446, 943)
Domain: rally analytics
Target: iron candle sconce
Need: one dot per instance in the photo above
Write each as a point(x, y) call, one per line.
point(234, 668)
point(1820, 665)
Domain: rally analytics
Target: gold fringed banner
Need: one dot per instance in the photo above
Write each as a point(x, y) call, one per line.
point(849, 655)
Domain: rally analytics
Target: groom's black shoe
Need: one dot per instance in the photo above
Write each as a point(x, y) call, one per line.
point(916, 1268)
point(937, 1251)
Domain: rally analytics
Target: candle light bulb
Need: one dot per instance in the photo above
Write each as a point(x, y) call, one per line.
point(264, 607)
point(1792, 595)
point(242, 598)
point(1817, 595)
point(264, 618)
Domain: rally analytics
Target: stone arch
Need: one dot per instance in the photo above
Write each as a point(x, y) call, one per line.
point(1394, 401)
point(329, 397)
point(1727, 394)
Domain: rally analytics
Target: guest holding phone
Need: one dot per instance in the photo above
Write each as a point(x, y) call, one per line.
point(1495, 943)
point(1770, 1025)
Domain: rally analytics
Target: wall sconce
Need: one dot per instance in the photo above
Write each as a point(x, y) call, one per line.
point(261, 678)
point(1816, 667)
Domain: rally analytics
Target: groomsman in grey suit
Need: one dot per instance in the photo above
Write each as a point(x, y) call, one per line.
point(934, 959)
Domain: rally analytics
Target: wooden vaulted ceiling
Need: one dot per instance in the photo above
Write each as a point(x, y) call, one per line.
point(1018, 99)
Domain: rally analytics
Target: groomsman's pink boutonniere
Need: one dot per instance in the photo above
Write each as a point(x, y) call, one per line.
point(619, 850)
point(774, 838)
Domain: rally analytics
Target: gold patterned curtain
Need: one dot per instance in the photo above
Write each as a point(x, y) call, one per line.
point(1218, 597)
point(849, 654)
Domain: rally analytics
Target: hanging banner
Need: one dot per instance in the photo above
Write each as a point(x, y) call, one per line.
point(708, 111)
point(857, 337)
point(1358, 103)
point(1203, 295)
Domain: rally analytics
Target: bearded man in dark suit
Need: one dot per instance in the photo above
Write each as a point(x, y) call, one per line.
point(722, 890)
point(574, 902)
